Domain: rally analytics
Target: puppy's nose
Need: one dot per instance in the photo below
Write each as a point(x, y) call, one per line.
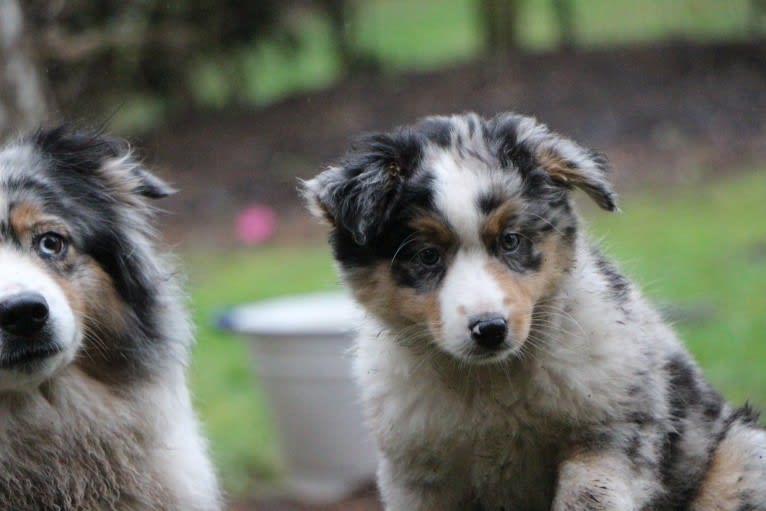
point(23, 313)
point(489, 332)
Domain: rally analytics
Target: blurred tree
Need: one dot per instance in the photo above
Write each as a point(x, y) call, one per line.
point(563, 12)
point(757, 16)
point(341, 15)
point(499, 23)
point(22, 101)
point(94, 50)
point(498, 20)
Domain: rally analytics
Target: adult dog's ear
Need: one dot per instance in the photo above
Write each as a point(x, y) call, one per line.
point(359, 193)
point(102, 158)
point(567, 163)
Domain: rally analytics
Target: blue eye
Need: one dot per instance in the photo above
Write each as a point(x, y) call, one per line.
point(510, 241)
point(429, 257)
point(51, 245)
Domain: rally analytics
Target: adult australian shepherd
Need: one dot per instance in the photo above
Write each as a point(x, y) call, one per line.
point(94, 409)
point(506, 363)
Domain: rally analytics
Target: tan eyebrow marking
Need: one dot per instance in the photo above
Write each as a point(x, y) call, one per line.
point(497, 221)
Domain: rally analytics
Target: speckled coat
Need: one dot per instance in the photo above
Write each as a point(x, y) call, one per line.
point(581, 399)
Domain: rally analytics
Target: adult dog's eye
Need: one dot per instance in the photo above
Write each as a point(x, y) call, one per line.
point(510, 241)
point(51, 245)
point(429, 257)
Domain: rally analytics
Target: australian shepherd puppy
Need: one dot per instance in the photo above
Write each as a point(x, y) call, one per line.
point(94, 409)
point(506, 363)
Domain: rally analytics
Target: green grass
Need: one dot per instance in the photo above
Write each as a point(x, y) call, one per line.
point(233, 409)
point(620, 22)
point(703, 245)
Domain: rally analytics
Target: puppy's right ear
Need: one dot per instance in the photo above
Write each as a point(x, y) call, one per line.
point(359, 194)
point(318, 197)
point(355, 203)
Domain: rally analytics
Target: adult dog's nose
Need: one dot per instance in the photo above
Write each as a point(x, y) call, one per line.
point(489, 332)
point(23, 314)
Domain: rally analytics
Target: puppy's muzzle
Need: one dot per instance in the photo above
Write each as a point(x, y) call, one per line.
point(489, 332)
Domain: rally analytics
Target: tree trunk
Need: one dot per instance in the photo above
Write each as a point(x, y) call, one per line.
point(498, 20)
point(563, 11)
point(22, 101)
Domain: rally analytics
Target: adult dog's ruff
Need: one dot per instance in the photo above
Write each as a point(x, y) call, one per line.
point(506, 363)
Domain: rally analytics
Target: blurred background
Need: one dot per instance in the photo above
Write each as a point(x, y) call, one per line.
point(233, 101)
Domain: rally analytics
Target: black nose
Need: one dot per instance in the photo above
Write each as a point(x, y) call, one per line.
point(489, 332)
point(23, 314)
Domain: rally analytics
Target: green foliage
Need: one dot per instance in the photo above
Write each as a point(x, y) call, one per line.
point(427, 34)
point(703, 246)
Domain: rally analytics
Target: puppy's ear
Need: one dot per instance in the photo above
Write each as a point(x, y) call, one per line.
point(359, 193)
point(96, 156)
point(567, 164)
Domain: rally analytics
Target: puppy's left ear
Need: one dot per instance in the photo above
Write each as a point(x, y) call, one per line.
point(568, 164)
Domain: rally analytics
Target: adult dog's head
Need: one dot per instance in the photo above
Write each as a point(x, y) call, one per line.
point(78, 280)
point(454, 229)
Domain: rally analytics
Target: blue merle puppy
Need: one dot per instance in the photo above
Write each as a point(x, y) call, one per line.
point(506, 364)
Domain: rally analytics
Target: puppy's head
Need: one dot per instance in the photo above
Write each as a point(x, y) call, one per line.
point(75, 276)
point(453, 230)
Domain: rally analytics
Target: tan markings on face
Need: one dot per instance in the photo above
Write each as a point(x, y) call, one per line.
point(24, 217)
point(103, 313)
point(523, 291)
point(28, 219)
point(396, 305)
point(499, 219)
point(433, 228)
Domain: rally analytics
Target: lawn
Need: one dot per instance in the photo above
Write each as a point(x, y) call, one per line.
point(701, 249)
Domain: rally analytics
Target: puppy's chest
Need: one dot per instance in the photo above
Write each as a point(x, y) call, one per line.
point(513, 463)
point(508, 449)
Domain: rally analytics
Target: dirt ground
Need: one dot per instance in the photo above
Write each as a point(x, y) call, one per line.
point(671, 114)
point(666, 115)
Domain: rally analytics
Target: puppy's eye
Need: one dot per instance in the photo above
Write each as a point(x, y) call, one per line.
point(429, 257)
point(510, 241)
point(51, 245)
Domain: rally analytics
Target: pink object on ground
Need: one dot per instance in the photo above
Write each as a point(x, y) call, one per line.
point(256, 224)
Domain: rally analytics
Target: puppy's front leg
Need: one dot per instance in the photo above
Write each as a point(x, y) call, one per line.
point(405, 489)
point(601, 481)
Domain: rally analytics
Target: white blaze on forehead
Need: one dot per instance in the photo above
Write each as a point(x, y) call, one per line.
point(458, 183)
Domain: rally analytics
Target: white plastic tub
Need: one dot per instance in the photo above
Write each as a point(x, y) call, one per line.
point(301, 347)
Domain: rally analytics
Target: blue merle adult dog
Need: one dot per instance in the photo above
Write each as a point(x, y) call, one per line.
point(94, 409)
point(506, 363)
